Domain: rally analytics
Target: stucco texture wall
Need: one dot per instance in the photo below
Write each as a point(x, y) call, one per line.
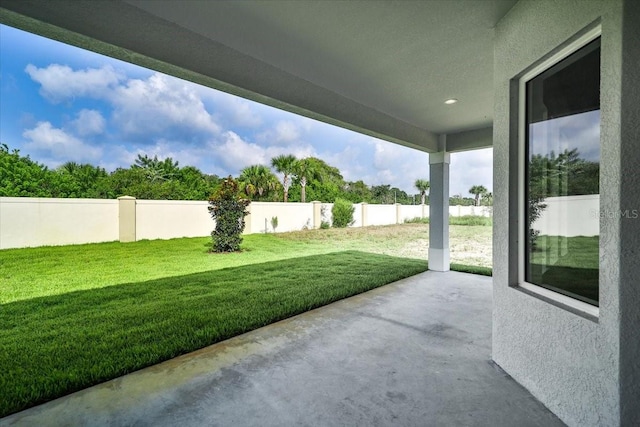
point(629, 231)
point(168, 219)
point(291, 216)
point(31, 222)
point(569, 362)
point(380, 214)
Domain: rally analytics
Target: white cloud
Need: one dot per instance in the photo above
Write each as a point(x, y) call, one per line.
point(300, 151)
point(57, 146)
point(286, 131)
point(231, 109)
point(89, 122)
point(236, 153)
point(60, 82)
point(164, 116)
point(470, 168)
point(351, 161)
point(399, 166)
point(242, 112)
point(158, 105)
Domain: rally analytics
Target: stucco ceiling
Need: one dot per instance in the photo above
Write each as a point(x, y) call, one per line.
point(384, 68)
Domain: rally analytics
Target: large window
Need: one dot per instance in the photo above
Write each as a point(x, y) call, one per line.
point(561, 173)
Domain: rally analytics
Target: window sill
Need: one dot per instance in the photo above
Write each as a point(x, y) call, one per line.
point(580, 308)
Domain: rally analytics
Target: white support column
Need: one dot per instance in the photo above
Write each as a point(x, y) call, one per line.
point(439, 211)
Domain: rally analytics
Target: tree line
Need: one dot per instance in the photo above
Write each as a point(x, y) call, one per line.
point(557, 175)
point(151, 178)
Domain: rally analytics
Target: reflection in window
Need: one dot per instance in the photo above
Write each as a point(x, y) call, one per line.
point(562, 171)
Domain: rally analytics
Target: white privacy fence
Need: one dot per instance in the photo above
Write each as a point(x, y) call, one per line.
point(30, 222)
point(291, 217)
point(570, 216)
point(166, 219)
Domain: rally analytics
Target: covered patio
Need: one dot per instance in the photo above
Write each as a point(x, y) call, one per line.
point(437, 76)
point(374, 68)
point(413, 353)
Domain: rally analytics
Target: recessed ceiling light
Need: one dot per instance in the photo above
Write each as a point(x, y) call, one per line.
point(450, 101)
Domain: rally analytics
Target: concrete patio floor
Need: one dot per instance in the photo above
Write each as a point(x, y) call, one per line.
point(413, 353)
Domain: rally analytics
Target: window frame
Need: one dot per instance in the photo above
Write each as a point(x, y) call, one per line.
point(556, 298)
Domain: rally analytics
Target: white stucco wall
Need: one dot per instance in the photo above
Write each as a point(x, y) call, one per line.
point(326, 214)
point(291, 216)
point(357, 215)
point(458, 210)
point(168, 219)
point(569, 361)
point(26, 222)
point(621, 212)
point(570, 216)
point(410, 212)
point(30, 222)
point(381, 214)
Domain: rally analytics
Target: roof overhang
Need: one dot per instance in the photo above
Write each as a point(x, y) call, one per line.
point(379, 68)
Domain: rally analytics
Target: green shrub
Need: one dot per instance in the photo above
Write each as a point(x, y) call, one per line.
point(228, 209)
point(342, 212)
point(324, 225)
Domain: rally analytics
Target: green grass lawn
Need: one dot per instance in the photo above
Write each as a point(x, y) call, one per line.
point(568, 265)
point(74, 316)
point(457, 220)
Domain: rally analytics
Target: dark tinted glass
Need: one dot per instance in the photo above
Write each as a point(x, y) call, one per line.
point(562, 172)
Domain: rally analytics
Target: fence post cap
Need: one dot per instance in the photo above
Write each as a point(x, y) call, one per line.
point(126, 198)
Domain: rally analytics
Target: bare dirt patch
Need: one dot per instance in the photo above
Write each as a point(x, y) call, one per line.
point(470, 245)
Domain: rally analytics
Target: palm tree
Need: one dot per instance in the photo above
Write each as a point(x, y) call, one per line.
point(305, 170)
point(155, 169)
point(257, 179)
point(70, 167)
point(478, 191)
point(423, 186)
point(284, 164)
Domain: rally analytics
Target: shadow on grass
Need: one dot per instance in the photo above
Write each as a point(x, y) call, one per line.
point(55, 345)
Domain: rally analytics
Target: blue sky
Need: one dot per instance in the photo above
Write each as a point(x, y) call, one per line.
point(577, 131)
point(59, 103)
